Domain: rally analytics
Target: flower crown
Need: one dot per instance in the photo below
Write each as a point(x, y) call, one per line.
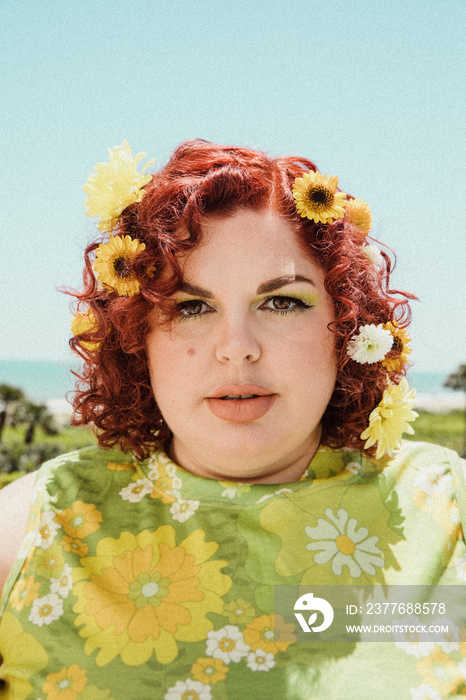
point(117, 184)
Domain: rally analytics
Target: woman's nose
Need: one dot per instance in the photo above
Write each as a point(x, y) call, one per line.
point(237, 342)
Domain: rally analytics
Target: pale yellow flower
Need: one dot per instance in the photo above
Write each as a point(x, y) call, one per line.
point(317, 199)
point(113, 264)
point(398, 355)
point(83, 323)
point(115, 185)
point(390, 419)
point(359, 214)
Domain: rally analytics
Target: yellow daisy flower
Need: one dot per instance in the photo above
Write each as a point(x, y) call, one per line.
point(209, 671)
point(83, 323)
point(317, 199)
point(398, 355)
point(390, 419)
point(115, 185)
point(79, 521)
point(113, 264)
point(66, 684)
point(359, 214)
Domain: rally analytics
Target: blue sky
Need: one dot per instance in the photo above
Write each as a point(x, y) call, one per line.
point(372, 92)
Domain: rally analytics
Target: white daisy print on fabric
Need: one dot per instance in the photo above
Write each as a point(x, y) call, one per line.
point(227, 644)
point(46, 531)
point(136, 491)
point(64, 583)
point(451, 638)
point(370, 345)
point(182, 510)
point(259, 660)
point(46, 609)
point(460, 566)
point(432, 479)
point(188, 690)
point(412, 642)
point(341, 541)
point(424, 692)
point(353, 467)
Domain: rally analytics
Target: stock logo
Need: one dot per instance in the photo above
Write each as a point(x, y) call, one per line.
point(312, 605)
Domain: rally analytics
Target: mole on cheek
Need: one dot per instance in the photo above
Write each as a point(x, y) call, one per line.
point(191, 351)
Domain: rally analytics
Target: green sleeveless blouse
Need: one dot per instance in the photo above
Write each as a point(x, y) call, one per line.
point(140, 580)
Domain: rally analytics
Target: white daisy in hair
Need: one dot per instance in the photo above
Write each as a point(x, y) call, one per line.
point(373, 254)
point(370, 345)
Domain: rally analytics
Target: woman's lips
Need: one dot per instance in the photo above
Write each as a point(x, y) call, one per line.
point(259, 401)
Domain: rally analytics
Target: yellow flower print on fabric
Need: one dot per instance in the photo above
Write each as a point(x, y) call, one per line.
point(79, 521)
point(121, 466)
point(146, 593)
point(335, 541)
point(72, 544)
point(209, 671)
point(48, 563)
point(13, 642)
point(441, 673)
point(24, 592)
point(239, 612)
point(260, 634)
point(67, 684)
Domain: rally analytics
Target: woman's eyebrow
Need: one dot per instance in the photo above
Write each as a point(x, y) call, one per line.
point(269, 286)
point(278, 282)
point(196, 291)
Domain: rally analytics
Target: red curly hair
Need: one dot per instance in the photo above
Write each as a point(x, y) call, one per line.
point(114, 393)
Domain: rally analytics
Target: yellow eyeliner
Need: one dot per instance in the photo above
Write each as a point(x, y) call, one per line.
point(308, 299)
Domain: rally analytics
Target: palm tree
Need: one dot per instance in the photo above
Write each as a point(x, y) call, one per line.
point(9, 397)
point(457, 382)
point(34, 415)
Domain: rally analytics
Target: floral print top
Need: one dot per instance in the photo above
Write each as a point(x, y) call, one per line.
point(140, 580)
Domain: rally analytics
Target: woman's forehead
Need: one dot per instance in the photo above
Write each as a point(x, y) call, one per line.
point(249, 242)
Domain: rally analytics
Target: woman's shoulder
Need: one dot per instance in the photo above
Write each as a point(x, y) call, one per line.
point(15, 502)
point(61, 475)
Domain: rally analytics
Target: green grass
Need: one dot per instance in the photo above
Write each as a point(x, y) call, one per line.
point(447, 429)
point(68, 439)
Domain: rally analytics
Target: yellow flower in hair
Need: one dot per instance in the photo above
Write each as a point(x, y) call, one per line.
point(359, 214)
point(391, 419)
point(317, 199)
point(115, 185)
point(398, 355)
point(113, 264)
point(83, 323)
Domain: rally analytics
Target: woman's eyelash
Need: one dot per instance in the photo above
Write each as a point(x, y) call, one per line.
point(299, 305)
point(191, 304)
point(291, 305)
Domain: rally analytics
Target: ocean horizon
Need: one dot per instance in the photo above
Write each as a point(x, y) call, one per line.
point(49, 382)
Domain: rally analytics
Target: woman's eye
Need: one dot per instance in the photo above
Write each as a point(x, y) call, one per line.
point(192, 308)
point(281, 304)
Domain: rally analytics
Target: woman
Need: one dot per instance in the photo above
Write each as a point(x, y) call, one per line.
point(244, 361)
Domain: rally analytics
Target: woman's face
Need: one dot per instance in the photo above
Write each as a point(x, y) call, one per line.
point(252, 323)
